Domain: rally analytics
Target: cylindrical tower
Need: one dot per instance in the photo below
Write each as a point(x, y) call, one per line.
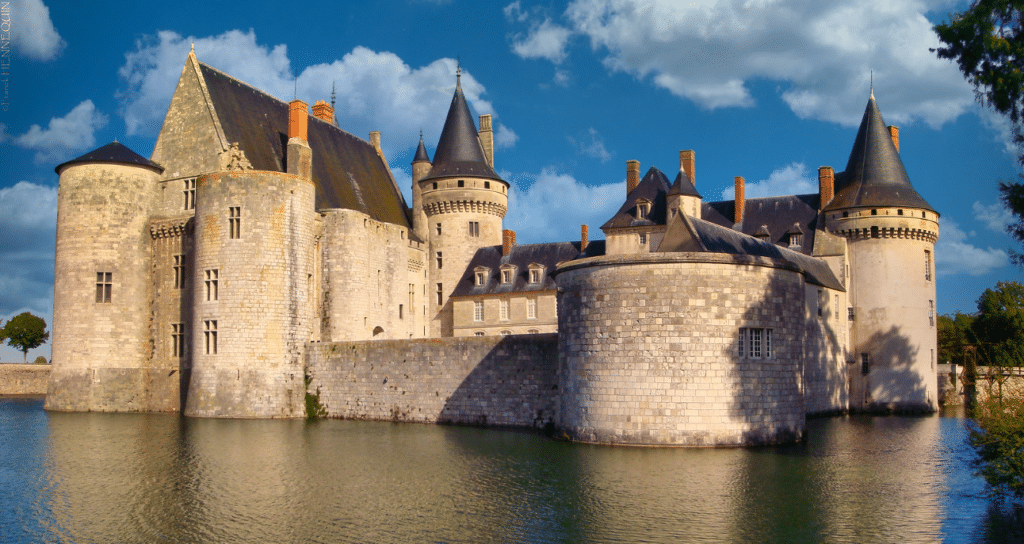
point(252, 285)
point(101, 318)
point(891, 233)
point(464, 202)
point(420, 169)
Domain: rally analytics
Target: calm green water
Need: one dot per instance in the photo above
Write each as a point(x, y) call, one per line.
point(162, 478)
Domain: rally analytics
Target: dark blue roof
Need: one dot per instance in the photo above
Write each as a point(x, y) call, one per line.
point(116, 153)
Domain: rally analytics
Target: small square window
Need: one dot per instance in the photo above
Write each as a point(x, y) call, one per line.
point(487, 185)
point(462, 183)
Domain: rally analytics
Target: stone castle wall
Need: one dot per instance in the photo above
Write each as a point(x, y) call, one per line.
point(24, 379)
point(489, 380)
point(826, 350)
point(650, 350)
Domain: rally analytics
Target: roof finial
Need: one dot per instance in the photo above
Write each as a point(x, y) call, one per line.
point(193, 50)
point(421, 134)
point(458, 72)
point(872, 84)
point(332, 95)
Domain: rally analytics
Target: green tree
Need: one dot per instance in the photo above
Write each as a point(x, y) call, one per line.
point(954, 336)
point(997, 435)
point(24, 332)
point(987, 43)
point(999, 326)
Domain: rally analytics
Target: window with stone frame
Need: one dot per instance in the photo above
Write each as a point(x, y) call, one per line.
point(439, 259)
point(643, 208)
point(531, 308)
point(178, 340)
point(536, 273)
point(478, 310)
point(179, 272)
point(235, 221)
point(474, 229)
point(440, 294)
point(508, 273)
point(755, 343)
point(503, 309)
point(190, 194)
point(480, 275)
point(478, 333)
point(104, 287)
point(210, 334)
point(927, 265)
point(212, 281)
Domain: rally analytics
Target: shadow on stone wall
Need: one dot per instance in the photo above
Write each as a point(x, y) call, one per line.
point(514, 385)
point(891, 385)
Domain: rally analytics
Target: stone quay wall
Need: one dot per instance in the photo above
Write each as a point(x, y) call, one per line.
point(656, 350)
point(500, 381)
point(24, 379)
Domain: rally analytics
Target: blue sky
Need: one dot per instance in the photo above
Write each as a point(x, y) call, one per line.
point(768, 90)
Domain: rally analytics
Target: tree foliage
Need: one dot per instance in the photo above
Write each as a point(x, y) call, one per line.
point(24, 332)
point(987, 43)
point(954, 336)
point(999, 326)
point(998, 437)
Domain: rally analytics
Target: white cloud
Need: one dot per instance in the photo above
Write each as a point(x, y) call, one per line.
point(822, 52)
point(546, 207)
point(544, 41)
point(788, 180)
point(954, 255)
point(592, 145)
point(562, 78)
point(995, 216)
point(505, 137)
point(514, 12)
point(371, 86)
point(74, 132)
point(32, 31)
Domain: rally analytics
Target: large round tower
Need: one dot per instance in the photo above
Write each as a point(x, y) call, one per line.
point(891, 233)
point(463, 201)
point(101, 296)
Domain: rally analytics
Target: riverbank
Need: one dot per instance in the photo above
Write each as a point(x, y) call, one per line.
point(23, 380)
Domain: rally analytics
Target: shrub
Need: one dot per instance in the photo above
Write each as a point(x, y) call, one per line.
point(41, 361)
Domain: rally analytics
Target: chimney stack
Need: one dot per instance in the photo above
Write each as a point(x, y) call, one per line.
point(894, 131)
point(298, 120)
point(298, 156)
point(486, 136)
point(324, 112)
point(584, 238)
point(740, 200)
point(632, 176)
point(826, 185)
point(508, 239)
point(687, 162)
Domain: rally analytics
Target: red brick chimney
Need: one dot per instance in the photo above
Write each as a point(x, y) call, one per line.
point(826, 185)
point(687, 161)
point(508, 240)
point(323, 111)
point(894, 131)
point(584, 237)
point(740, 200)
point(298, 120)
point(632, 176)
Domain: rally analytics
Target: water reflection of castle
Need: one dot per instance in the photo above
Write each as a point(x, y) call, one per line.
point(261, 245)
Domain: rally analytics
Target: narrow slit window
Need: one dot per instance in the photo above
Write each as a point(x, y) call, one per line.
point(440, 261)
point(440, 294)
point(235, 221)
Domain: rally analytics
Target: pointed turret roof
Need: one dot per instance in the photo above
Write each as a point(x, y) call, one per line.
point(683, 186)
point(114, 152)
point(421, 152)
point(459, 152)
point(874, 175)
point(652, 188)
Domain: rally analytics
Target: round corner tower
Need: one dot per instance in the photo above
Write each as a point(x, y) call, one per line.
point(891, 233)
point(463, 202)
point(101, 298)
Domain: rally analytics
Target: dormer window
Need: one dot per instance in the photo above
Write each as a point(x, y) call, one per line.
point(536, 273)
point(643, 208)
point(480, 275)
point(796, 235)
point(508, 273)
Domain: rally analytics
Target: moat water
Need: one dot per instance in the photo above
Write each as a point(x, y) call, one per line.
point(161, 478)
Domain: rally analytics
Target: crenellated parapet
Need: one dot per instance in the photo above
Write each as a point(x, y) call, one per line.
point(464, 206)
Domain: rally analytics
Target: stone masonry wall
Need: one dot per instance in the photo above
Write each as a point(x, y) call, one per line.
point(489, 380)
point(24, 379)
point(651, 351)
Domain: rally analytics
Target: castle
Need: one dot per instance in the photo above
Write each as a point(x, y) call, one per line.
point(220, 276)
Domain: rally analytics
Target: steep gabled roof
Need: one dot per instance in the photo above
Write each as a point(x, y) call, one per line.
point(114, 152)
point(683, 185)
point(874, 174)
point(778, 213)
point(520, 256)
point(347, 171)
point(459, 152)
point(653, 187)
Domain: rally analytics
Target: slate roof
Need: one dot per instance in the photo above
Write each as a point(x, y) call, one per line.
point(683, 185)
point(874, 175)
point(778, 213)
point(114, 152)
point(692, 234)
point(522, 256)
point(459, 152)
point(421, 152)
point(653, 187)
point(347, 171)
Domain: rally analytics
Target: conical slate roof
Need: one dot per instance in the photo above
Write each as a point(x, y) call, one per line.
point(874, 175)
point(421, 152)
point(683, 186)
point(114, 152)
point(458, 151)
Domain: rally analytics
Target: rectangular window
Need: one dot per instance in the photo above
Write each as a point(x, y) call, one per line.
point(104, 286)
point(927, 265)
point(437, 226)
point(865, 363)
point(821, 302)
point(535, 276)
point(481, 278)
point(401, 313)
point(210, 333)
point(212, 278)
point(440, 294)
point(412, 298)
point(474, 228)
point(755, 343)
point(643, 239)
point(179, 271)
point(504, 310)
point(931, 313)
point(506, 276)
point(849, 313)
point(478, 310)
point(531, 308)
point(235, 221)
point(190, 194)
point(462, 183)
point(439, 261)
point(178, 339)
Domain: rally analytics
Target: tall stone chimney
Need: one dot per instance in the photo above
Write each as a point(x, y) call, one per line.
point(508, 240)
point(298, 156)
point(740, 200)
point(632, 176)
point(687, 162)
point(826, 185)
point(375, 142)
point(894, 131)
point(584, 238)
point(323, 111)
point(487, 138)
